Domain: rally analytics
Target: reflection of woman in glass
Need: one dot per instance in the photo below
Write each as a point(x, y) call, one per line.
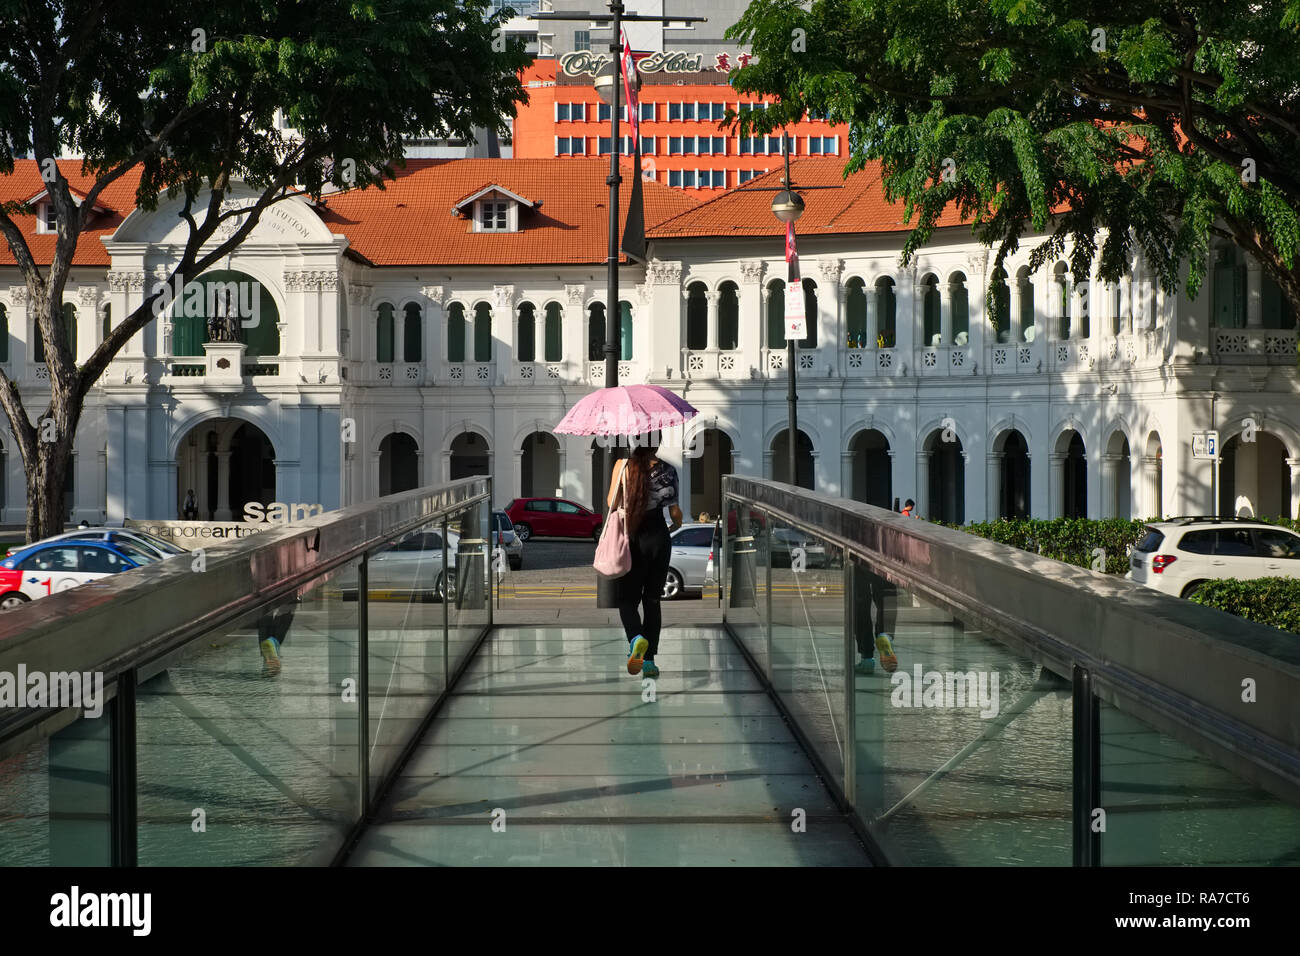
point(643, 485)
point(872, 620)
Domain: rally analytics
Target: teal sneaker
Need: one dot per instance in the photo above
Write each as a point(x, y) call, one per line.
point(636, 658)
point(865, 666)
point(648, 669)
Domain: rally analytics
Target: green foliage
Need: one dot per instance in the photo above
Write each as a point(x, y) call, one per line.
point(1071, 118)
point(1271, 601)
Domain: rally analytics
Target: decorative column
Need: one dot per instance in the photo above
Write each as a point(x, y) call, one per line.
point(223, 485)
point(753, 318)
point(1013, 320)
point(921, 495)
point(873, 321)
point(1056, 486)
point(846, 474)
point(1074, 296)
point(573, 333)
point(1294, 465)
point(1126, 304)
point(503, 354)
point(517, 477)
point(993, 484)
point(1151, 482)
point(711, 338)
point(905, 320)
point(1109, 486)
point(830, 309)
point(976, 322)
point(945, 314)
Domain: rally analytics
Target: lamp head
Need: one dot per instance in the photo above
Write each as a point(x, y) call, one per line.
point(787, 206)
point(604, 82)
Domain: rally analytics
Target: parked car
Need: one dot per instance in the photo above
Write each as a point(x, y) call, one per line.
point(160, 547)
point(504, 537)
point(553, 518)
point(785, 541)
point(413, 565)
point(690, 562)
point(1179, 555)
point(49, 566)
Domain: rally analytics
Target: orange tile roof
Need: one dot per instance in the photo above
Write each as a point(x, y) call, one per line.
point(410, 221)
point(857, 206)
point(117, 200)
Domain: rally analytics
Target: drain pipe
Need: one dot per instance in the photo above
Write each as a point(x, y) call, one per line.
point(1214, 464)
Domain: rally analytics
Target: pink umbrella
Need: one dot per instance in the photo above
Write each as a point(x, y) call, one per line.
point(626, 410)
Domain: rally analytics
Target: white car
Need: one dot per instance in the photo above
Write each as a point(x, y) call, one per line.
point(412, 566)
point(160, 547)
point(1179, 555)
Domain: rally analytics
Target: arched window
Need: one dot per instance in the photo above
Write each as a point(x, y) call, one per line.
point(776, 314)
point(526, 349)
point(697, 316)
point(596, 332)
point(1275, 310)
point(1026, 304)
point(69, 323)
point(413, 334)
point(728, 316)
point(886, 314)
point(810, 313)
point(1061, 299)
point(456, 333)
point(959, 297)
point(554, 333)
point(108, 322)
point(1113, 299)
point(482, 332)
point(4, 335)
point(855, 309)
point(625, 330)
point(930, 310)
point(384, 334)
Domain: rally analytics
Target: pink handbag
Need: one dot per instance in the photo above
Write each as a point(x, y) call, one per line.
point(613, 553)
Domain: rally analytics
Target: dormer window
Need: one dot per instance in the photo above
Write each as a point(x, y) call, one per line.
point(493, 216)
point(46, 219)
point(493, 208)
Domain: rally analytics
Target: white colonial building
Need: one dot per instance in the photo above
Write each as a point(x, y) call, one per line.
point(443, 326)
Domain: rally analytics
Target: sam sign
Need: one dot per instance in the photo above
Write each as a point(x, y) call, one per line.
point(796, 322)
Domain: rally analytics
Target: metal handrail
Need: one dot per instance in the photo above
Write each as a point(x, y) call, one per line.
point(123, 622)
point(1175, 665)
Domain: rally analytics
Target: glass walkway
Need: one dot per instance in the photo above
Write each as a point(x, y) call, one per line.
point(338, 693)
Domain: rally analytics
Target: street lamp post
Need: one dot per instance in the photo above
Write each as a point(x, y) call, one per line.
point(788, 206)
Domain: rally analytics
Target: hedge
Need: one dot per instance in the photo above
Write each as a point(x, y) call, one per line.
point(1073, 540)
point(1271, 601)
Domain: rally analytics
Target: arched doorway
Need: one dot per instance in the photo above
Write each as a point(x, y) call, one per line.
point(540, 466)
point(227, 463)
point(1255, 478)
point(1074, 475)
point(872, 479)
point(803, 459)
point(399, 464)
point(1013, 474)
point(469, 455)
point(946, 478)
point(713, 458)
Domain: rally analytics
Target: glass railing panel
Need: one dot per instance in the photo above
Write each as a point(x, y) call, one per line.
point(962, 747)
point(406, 585)
point(247, 738)
point(745, 608)
point(1166, 804)
point(808, 636)
point(469, 552)
point(55, 796)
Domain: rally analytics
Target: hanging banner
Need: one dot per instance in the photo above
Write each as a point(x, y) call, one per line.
point(796, 323)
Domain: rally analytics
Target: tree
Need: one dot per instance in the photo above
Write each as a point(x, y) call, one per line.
point(190, 100)
point(1160, 123)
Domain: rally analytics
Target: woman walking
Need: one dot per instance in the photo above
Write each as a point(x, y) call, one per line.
point(643, 485)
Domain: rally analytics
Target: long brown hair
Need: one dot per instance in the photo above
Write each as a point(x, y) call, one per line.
point(637, 470)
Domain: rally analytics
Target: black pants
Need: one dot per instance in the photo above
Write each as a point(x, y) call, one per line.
point(276, 621)
point(872, 614)
point(644, 584)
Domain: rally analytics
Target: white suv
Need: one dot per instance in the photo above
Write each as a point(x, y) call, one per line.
point(1179, 555)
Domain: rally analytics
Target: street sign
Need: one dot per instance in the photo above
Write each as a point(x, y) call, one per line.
point(1205, 445)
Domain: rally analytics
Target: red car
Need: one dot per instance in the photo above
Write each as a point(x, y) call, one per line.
point(553, 518)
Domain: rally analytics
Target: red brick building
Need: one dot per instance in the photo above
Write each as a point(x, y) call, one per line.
point(682, 102)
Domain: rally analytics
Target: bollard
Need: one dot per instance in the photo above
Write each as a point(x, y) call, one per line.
point(471, 574)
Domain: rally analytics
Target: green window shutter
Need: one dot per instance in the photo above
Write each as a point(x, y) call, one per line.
point(527, 349)
point(554, 331)
point(810, 314)
point(70, 325)
point(4, 335)
point(729, 318)
point(456, 333)
point(856, 308)
point(384, 346)
point(482, 333)
point(625, 330)
point(413, 335)
point(776, 315)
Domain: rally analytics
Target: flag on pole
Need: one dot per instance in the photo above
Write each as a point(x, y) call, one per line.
point(796, 322)
point(633, 108)
point(633, 244)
